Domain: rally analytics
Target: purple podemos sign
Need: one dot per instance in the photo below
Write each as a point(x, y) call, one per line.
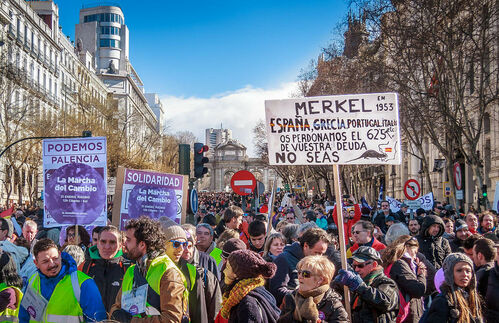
point(74, 178)
point(149, 193)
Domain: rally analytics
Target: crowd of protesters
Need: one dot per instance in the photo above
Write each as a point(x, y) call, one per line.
point(236, 263)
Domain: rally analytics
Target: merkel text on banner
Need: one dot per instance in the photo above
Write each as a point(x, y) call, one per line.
point(344, 129)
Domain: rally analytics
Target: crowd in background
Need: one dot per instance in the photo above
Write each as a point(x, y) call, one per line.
point(238, 264)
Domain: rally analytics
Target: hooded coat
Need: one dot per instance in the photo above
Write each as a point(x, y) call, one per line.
point(435, 248)
point(444, 307)
point(107, 274)
point(92, 310)
point(285, 279)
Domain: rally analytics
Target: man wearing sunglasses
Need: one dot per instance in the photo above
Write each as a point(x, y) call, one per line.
point(362, 235)
point(375, 296)
point(154, 287)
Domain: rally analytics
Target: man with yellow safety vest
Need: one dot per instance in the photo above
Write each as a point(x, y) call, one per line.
point(10, 289)
point(154, 289)
point(58, 292)
point(205, 243)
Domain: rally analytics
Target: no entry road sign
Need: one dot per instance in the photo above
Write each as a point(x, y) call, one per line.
point(458, 176)
point(412, 189)
point(243, 182)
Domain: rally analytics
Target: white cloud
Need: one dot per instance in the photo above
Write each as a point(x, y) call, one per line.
point(238, 110)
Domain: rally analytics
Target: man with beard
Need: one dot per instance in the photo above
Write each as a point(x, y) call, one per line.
point(58, 292)
point(205, 296)
point(462, 233)
point(431, 243)
point(488, 223)
point(106, 264)
point(414, 227)
point(153, 290)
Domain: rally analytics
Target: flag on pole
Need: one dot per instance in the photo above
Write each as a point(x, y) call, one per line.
point(380, 197)
point(7, 212)
point(364, 203)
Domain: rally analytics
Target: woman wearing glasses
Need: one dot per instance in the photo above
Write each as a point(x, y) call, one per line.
point(403, 266)
point(314, 300)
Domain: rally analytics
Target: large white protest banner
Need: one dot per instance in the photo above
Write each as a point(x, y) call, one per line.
point(342, 129)
point(426, 201)
point(495, 207)
point(75, 181)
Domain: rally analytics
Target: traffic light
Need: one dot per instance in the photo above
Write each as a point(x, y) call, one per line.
point(200, 160)
point(184, 159)
point(484, 191)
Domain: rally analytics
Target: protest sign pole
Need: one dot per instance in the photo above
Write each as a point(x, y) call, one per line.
point(341, 232)
point(271, 205)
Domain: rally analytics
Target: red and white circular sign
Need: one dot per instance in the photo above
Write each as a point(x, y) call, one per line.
point(243, 182)
point(412, 189)
point(458, 176)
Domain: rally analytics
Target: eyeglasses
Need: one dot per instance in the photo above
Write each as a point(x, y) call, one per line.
point(362, 265)
point(305, 273)
point(357, 232)
point(177, 244)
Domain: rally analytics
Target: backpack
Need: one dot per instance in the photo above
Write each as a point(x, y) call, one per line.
point(404, 302)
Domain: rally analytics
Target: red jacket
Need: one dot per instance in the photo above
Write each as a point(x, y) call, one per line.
point(348, 226)
point(378, 246)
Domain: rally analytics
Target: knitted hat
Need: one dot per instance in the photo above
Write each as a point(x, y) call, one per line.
point(460, 225)
point(249, 264)
point(175, 232)
point(232, 245)
point(448, 267)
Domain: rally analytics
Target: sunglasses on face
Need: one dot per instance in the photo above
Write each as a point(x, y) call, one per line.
point(305, 273)
point(362, 265)
point(177, 244)
point(357, 232)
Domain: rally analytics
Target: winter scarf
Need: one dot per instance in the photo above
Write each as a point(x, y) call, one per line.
point(238, 292)
point(306, 303)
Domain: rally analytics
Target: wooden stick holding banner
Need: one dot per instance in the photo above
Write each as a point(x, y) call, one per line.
point(271, 205)
point(341, 232)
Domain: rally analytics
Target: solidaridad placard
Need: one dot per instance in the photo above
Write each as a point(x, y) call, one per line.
point(342, 129)
point(75, 185)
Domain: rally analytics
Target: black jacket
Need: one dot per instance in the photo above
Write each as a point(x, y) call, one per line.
point(107, 274)
point(456, 244)
point(491, 300)
point(204, 260)
point(377, 302)
point(205, 296)
point(440, 310)
point(258, 306)
point(330, 308)
point(435, 248)
point(285, 279)
point(411, 286)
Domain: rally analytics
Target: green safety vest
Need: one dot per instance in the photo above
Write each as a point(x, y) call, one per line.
point(10, 315)
point(64, 303)
point(192, 274)
point(217, 255)
point(156, 269)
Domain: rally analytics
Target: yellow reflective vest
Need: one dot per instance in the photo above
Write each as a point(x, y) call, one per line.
point(156, 270)
point(64, 304)
point(10, 315)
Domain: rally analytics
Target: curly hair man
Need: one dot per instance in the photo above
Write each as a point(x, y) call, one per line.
point(153, 289)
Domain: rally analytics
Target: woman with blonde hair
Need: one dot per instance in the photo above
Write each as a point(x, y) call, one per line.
point(273, 246)
point(314, 300)
point(403, 266)
point(458, 300)
point(225, 236)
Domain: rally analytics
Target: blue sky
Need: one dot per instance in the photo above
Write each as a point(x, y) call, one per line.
point(211, 50)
